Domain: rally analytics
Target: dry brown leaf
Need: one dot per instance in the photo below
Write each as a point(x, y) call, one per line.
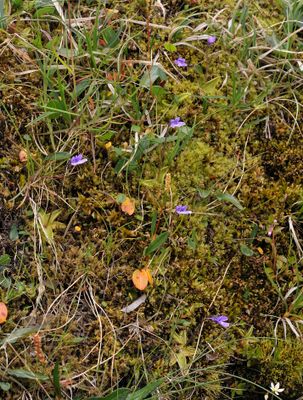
point(140, 279)
point(128, 206)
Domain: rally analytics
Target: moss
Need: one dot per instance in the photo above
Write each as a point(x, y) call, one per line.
point(281, 362)
point(200, 270)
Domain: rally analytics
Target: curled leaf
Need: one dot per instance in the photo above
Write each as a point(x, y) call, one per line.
point(149, 276)
point(3, 313)
point(140, 279)
point(128, 206)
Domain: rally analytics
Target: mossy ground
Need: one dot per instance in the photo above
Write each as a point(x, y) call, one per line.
point(77, 85)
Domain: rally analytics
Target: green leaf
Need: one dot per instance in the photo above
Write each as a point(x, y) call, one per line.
point(57, 108)
point(17, 3)
point(231, 199)
point(18, 334)
point(209, 88)
point(254, 232)
point(111, 37)
point(271, 277)
point(3, 14)
point(141, 394)
point(5, 259)
point(203, 193)
point(181, 360)
point(120, 198)
point(153, 223)
point(4, 281)
point(5, 386)
point(27, 138)
point(82, 86)
point(297, 304)
point(246, 250)
point(60, 156)
point(13, 233)
point(24, 374)
point(192, 241)
point(157, 243)
point(136, 128)
point(56, 379)
point(150, 76)
point(103, 137)
point(158, 91)
point(44, 11)
point(48, 224)
point(118, 394)
point(170, 47)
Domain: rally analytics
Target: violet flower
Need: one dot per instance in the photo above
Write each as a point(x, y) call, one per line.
point(176, 123)
point(211, 39)
point(182, 210)
point(221, 320)
point(78, 160)
point(181, 62)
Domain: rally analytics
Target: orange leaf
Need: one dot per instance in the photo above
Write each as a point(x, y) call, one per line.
point(128, 206)
point(140, 279)
point(149, 275)
point(102, 42)
point(3, 313)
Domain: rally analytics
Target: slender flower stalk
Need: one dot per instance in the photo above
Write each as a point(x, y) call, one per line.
point(271, 228)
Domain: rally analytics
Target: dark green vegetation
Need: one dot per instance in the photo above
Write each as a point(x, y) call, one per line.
point(100, 79)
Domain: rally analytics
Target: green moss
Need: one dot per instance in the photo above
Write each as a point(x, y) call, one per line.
point(281, 362)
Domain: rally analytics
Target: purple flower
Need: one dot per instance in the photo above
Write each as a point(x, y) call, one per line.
point(221, 320)
point(176, 123)
point(211, 39)
point(180, 62)
point(182, 210)
point(78, 160)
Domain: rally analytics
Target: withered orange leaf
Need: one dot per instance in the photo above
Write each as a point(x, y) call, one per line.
point(149, 276)
point(128, 206)
point(140, 279)
point(3, 313)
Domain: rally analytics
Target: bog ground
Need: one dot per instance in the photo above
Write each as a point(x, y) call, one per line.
point(151, 200)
